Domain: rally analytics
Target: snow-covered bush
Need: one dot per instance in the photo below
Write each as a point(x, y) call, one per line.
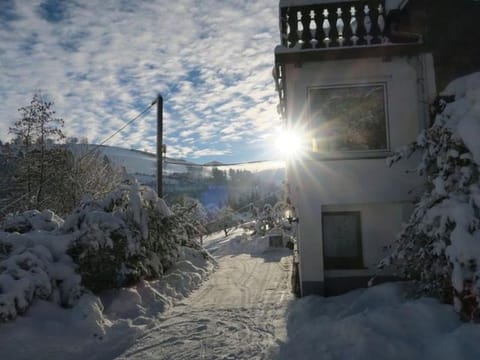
point(126, 236)
point(440, 244)
point(265, 219)
point(270, 217)
point(32, 220)
point(33, 266)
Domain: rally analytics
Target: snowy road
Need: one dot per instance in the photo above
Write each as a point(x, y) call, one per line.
point(239, 313)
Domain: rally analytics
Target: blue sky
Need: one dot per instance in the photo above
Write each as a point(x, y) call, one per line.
point(103, 61)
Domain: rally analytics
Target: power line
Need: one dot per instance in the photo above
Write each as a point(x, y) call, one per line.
point(128, 123)
point(91, 151)
point(180, 162)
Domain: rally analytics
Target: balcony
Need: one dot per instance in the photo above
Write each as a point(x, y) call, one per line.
point(333, 29)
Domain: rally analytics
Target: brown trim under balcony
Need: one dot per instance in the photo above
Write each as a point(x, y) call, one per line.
point(296, 56)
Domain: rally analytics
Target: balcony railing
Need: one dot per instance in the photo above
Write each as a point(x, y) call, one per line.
point(336, 24)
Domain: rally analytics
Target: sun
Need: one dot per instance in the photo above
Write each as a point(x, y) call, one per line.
point(289, 143)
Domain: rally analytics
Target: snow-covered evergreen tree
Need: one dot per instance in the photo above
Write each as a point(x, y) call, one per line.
point(192, 216)
point(440, 245)
point(127, 235)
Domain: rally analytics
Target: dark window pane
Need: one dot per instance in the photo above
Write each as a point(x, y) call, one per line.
point(349, 118)
point(342, 240)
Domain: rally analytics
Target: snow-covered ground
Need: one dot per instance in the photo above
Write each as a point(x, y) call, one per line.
point(239, 313)
point(100, 327)
point(381, 322)
point(244, 310)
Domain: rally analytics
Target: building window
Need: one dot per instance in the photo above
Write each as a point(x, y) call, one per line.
point(348, 120)
point(342, 243)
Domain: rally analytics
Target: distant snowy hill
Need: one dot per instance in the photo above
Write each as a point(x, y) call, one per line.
point(181, 177)
point(134, 161)
point(138, 162)
point(142, 163)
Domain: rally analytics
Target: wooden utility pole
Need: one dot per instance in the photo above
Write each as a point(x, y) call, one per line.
point(160, 145)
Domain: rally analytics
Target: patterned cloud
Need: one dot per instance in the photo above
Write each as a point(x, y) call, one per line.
point(103, 61)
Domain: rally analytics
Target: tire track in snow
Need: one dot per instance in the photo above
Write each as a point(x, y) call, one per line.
point(207, 334)
point(237, 314)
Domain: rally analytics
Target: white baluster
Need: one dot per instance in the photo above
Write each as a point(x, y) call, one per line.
point(299, 28)
point(353, 25)
point(340, 25)
point(326, 28)
point(381, 23)
point(313, 29)
point(367, 23)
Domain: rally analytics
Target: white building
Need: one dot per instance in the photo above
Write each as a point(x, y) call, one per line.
point(357, 86)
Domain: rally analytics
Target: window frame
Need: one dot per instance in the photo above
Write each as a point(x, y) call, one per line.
point(348, 154)
point(344, 263)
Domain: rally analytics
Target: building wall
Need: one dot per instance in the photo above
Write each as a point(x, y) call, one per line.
point(367, 185)
point(381, 218)
point(400, 75)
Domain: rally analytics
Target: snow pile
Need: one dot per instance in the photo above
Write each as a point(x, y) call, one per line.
point(126, 238)
point(377, 323)
point(35, 266)
point(32, 220)
point(440, 245)
point(149, 298)
point(47, 331)
point(101, 327)
point(188, 273)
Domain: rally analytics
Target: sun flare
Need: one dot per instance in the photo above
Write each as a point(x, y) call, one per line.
point(289, 143)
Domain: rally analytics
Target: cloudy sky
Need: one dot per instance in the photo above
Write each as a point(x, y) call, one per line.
point(104, 61)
